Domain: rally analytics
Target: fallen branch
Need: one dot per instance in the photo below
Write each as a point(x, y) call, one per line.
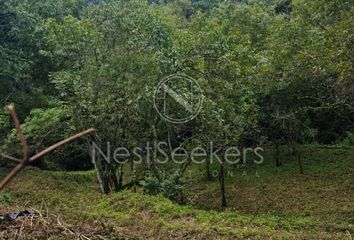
point(25, 149)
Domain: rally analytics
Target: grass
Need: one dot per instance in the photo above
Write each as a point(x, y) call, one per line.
point(278, 204)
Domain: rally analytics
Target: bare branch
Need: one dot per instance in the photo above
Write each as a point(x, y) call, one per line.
point(25, 148)
point(65, 141)
point(12, 158)
point(20, 135)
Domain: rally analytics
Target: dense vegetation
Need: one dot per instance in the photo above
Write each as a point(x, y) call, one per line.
point(280, 204)
point(273, 73)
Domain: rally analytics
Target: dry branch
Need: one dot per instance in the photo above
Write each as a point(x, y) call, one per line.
point(25, 148)
point(11, 158)
point(20, 135)
point(59, 144)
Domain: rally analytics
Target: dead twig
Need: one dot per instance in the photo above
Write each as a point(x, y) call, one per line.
point(70, 230)
point(12, 158)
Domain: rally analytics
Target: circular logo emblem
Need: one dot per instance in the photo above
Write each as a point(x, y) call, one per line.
point(178, 98)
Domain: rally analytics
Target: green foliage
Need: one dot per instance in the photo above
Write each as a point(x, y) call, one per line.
point(5, 198)
point(253, 214)
point(44, 127)
point(348, 140)
point(24, 72)
point(152, 186)
point(172, 187)
point(267, 69)
point(278, 70)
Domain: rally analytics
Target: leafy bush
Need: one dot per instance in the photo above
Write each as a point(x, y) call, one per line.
point(44, 127)
point(172, 188)
point(349, 139)
point(152, 186)
point(5, 198)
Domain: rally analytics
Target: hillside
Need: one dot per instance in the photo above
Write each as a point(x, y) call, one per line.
point(177, 119)
point(285, 208)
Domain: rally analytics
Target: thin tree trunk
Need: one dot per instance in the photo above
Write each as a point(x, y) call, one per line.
point(278, 162)
point(116, 185)
point(120, 181)
point(299, 160)
point(145, 167)
point(153, 165)
point(101, 174)
point(222, 186)
point(132, 168)
point(291, 150)
point(208, 173)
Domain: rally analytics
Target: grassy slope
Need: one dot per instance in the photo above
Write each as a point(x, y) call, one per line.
point(280, 204)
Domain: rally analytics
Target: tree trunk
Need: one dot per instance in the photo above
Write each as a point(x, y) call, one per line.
point(208, 173)
point(120, 181)
point(114, 179)
point(153, 165)
point(278, 162)
point(299, 160)
point(133, 171)
point(102, 173)
point(145, 167)
point(222, 186)
point(291, 148)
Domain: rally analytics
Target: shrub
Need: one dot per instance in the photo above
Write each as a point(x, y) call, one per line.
point(5, 198)
point(349, 139)
point(152, 186)
point(172, 188)
point(44, 127)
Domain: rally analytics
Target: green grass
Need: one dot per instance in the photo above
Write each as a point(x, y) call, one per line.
point(279, 204)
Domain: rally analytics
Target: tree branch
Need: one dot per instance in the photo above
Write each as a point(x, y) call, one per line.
point(25, 149)
point(12, 158)
point(59, 144)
